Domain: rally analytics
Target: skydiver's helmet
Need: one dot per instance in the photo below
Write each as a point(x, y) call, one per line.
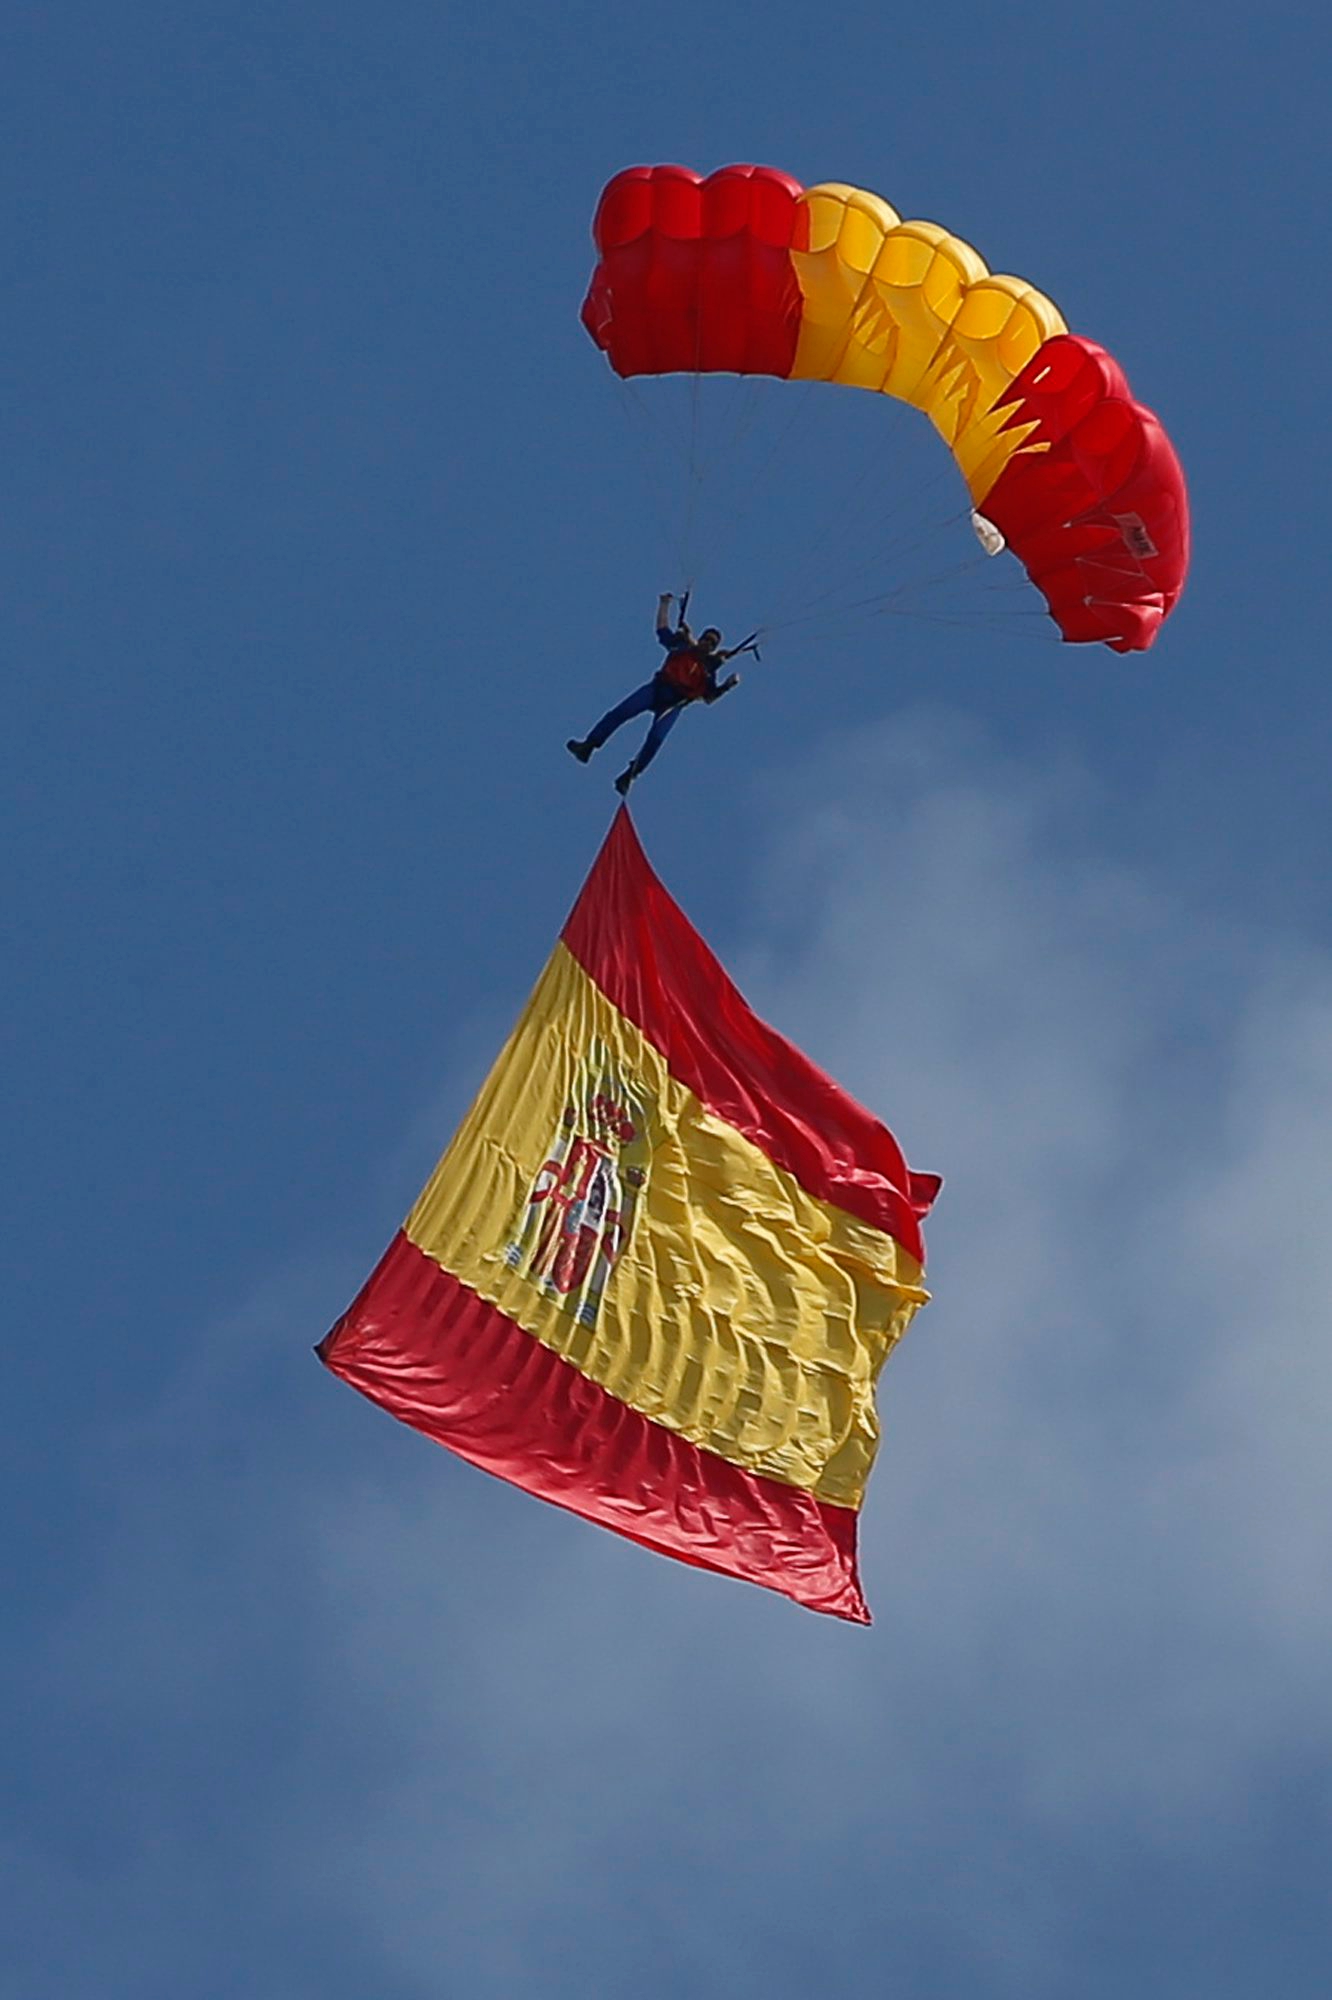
point(710, 640)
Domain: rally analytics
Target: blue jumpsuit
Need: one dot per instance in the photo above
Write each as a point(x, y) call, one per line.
point(666, 698)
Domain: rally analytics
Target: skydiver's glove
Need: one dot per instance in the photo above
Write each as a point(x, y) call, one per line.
point(723, 687)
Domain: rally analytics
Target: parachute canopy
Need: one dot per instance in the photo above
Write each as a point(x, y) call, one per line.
point(657, 1272)
point(747, 272)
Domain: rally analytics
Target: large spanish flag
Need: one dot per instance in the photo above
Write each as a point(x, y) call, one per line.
point(657, 1272)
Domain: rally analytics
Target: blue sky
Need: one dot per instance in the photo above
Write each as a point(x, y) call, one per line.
point(324, 526)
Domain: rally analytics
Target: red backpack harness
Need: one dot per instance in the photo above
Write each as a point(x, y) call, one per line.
point(684, 668)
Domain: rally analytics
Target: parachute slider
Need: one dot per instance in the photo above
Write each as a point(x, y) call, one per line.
point(987, 534)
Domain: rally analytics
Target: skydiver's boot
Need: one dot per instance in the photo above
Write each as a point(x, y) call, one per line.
point(579, 749)
point(625, 779)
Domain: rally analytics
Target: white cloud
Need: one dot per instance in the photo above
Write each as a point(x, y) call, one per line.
point(1106, 1441)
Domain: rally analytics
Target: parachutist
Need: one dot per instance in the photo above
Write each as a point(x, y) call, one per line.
point(687, 674)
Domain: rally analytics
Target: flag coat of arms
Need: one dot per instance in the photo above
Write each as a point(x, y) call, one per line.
point(657, 1272)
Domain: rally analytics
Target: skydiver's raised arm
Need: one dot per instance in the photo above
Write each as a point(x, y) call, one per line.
point(679, 633)
point(664, 632)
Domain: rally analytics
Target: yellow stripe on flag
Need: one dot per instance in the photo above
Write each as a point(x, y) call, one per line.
point(593, 1199)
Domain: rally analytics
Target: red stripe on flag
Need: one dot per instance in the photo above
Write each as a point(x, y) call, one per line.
point(434, 1354)
point(636, 943)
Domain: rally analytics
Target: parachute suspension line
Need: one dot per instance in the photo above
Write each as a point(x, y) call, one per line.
point(866, 527)
point(872, 608)
point(860, 524)
point(695, 486)
point(892, 552)
point(874, 524)
point(720, 491)
point(1041, 631)
point(640, 423)
point(670, 445)
point(720, 478)
point(697, 454)
point(659, 440)
point(754, 484)
point(747, 403)
point(1034, 634)
point(890, 602)
point(633, 405)
point(663, 444)
point(814, 615)
point(857, 527)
